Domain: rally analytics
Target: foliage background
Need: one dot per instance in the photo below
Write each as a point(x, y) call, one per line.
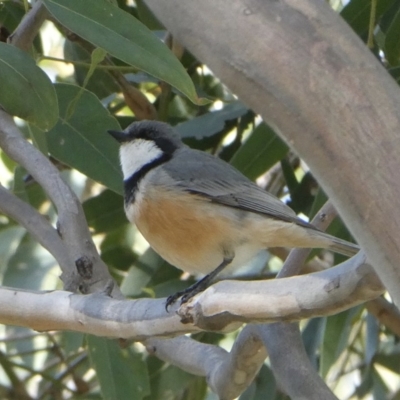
point(91, 92)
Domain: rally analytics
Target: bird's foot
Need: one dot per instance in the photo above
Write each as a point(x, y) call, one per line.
point(186, 294)
point(199, 286)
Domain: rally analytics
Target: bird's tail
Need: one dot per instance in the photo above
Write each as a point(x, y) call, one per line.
point(340, 246)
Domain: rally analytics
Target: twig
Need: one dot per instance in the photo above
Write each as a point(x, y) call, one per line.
point(120, 68)
point(17, 384)
point(28, 28)
point(371, 26)
point(36, 224)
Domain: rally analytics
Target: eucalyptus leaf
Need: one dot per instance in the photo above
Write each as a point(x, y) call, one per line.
point(124, 37)
point(259, 152)
point(336, 337)
point(105, 211)
point(122, 373)
point(26, 91)
point(392, 43)
point(357, 13)
point(81, 141)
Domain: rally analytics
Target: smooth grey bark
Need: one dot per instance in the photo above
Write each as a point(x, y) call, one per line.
point(296, 374)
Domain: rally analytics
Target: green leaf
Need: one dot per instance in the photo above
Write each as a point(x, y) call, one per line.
point(289, 175)
point(124, 37)
point(96, 58)
point(357, 13)
point(101, 83)
point(141, 273)
point(82, 141)
point(336, 337)
point(263, 388)
point(29, 267)
point(9, 241)
point(147, 17)
point(211, 123)
point(379, 388)
point(170, 384)
point(312, 336)
point(105, 212)
point(121, 373)
point(372, 342)
point(259, 152)
point(389, 361)
point(303, 195)
point(392, 43)
point(38, 138)
point(26, 91)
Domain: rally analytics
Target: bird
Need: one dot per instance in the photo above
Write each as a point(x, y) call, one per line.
point(201, 214)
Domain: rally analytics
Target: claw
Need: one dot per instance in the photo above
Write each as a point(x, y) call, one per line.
point(185, 295)
point(198, 287)
point(172, 300)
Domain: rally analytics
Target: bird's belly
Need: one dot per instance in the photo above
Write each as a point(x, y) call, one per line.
point(190, 233)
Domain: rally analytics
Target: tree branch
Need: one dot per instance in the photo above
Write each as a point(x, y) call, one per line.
point(228, 374)
point(386, 313)
point(292, 367)
point(322, 293)
point(288, 299)
point(29, 27)
point(72, 227)
point(36, 224)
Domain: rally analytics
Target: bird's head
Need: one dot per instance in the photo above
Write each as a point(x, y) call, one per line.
point(144, 142)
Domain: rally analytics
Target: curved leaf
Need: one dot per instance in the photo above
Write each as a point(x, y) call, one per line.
point(392, 44)
point(121, 373)
point(81, 140)
point(26, 91)
point(357, 13)
point(259, 152)
point(124, 37)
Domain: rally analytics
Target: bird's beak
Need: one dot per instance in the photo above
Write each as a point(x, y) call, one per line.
point(119, 136)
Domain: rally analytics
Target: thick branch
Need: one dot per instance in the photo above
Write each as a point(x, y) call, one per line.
point(96, 314)
point(322, 293)
point(218, 308)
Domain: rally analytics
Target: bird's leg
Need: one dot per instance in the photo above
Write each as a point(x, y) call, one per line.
point(197, 287)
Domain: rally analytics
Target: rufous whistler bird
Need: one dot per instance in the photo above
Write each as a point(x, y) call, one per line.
point(198, 212)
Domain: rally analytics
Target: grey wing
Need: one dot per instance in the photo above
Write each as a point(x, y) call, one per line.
point(205, 175)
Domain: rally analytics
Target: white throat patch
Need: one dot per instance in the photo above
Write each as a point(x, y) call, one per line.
point(135, 155)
